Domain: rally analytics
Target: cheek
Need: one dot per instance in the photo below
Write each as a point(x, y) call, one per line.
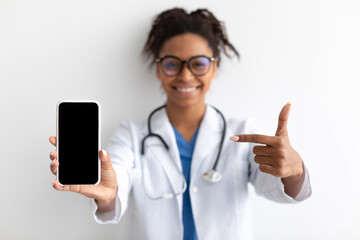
point(165, 84)
point(206, 84)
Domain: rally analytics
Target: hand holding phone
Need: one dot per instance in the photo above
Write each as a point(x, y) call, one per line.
point(78, 127)
point(104, 193)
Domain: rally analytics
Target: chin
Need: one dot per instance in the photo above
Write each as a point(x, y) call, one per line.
point(187, 103)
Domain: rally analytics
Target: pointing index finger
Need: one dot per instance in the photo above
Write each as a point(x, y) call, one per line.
point(254, 138)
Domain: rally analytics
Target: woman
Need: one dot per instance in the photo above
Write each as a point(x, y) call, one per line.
point(183, 192)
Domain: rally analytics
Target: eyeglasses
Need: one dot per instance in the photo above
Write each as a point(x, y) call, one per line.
point(198, 65)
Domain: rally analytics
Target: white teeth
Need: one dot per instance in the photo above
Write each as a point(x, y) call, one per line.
point(186, 89)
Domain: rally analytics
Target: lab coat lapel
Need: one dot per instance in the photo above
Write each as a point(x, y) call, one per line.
point(169, 160)
point(208, 139)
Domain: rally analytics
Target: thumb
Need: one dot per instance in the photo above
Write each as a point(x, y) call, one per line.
point(105, 159)
point(283, 119)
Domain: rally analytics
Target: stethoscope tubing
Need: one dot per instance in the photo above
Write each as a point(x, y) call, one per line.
point(212, 175)
point(222, 138)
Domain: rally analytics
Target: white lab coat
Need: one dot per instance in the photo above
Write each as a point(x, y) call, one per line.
point(218, 208)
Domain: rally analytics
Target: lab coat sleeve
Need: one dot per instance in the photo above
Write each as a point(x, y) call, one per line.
point(269, 186)
point(121, 153)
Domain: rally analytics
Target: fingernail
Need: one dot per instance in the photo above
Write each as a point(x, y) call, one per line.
point(104, 153)
point(53, 163)
point(234, 138)
point(53, 182)
point(289, 104)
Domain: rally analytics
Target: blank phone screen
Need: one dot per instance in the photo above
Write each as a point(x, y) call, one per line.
point(78, 142)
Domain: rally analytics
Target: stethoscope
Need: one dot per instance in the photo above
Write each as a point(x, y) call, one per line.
point(211, 176)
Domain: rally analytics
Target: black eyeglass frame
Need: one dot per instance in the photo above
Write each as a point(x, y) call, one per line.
point(187, 62)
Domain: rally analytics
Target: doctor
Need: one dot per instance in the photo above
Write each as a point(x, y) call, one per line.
point(184, 172)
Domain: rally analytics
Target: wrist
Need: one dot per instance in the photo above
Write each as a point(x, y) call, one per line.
point(107, 204)
point(297, 175)
point(293, 184)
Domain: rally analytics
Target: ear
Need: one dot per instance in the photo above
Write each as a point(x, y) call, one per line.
point(158, 70)
point(214, 68)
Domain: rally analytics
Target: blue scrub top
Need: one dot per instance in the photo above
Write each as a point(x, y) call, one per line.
point(186, 151)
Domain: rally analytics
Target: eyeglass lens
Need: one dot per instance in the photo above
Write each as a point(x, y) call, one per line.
point(198, 66)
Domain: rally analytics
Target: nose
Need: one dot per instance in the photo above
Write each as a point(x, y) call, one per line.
point(185, 74)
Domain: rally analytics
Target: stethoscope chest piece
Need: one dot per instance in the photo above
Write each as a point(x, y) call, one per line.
point(212, 176)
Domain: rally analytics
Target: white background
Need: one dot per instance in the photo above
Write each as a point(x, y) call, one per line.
point(306, 52)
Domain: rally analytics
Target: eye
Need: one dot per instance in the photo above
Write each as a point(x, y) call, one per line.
point(199, 62)
point(171, 63)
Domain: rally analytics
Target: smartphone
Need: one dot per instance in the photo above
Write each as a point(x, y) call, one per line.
point(78, 142)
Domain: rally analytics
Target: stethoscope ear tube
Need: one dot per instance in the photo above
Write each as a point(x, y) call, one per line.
point(212, 175)
point(222, 139)
point(152, 135)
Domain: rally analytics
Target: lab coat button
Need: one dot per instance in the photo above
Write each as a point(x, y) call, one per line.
point(195, 189)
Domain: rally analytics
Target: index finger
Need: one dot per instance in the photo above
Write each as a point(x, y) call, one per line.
point(52, 140)
point(254, 138)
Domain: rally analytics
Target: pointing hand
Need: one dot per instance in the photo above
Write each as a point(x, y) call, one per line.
point(277, 158)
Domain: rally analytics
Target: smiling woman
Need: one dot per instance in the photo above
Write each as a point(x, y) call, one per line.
point(185, 89)
point(194, 40)
point(165, 181)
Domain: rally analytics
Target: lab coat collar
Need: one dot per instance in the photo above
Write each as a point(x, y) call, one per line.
point(160, 121)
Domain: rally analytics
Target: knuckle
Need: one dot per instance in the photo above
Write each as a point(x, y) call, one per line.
point(278, 141)
point(280, 170)
point(282, 154)
point(263, 168)
point(257, 138)
point(282, 141)
point(279, 163)
point(53, 167)
point(53, 154)
point(280, 130)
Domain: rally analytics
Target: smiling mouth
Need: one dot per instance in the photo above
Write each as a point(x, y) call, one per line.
point(189, 89)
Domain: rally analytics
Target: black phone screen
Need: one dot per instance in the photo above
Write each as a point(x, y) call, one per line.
point(78, 143)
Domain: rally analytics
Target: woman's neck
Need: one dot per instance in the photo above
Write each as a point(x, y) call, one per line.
point(186, 119)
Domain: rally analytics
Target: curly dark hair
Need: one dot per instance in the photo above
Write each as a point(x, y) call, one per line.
point(177, 21)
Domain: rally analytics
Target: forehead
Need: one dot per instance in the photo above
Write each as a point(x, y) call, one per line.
point(185, 46)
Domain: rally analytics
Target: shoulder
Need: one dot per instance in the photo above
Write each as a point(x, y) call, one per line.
point(129, 127)
point(131, 124)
